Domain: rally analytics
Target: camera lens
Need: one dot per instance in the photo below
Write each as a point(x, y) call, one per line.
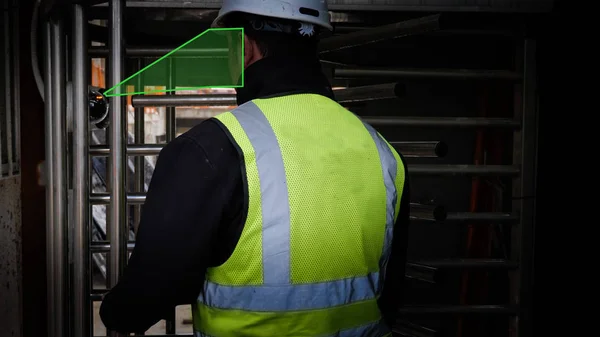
point(98, 106)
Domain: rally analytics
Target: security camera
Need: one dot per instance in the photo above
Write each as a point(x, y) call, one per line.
point(99, 108)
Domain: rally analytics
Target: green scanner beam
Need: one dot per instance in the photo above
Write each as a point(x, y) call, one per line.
point(212, 59)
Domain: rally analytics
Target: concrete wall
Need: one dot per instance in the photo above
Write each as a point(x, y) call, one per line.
point(10, 257)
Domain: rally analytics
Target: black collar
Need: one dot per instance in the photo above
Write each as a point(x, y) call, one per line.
point(278, 76)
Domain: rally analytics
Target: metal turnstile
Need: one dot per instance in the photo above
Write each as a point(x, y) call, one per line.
point(77, 236)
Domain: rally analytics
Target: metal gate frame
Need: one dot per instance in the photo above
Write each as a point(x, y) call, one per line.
point(69, 243)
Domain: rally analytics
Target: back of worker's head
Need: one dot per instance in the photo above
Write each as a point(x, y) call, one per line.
point(276, 28)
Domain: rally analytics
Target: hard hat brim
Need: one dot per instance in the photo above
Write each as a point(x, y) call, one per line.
point(218, 21)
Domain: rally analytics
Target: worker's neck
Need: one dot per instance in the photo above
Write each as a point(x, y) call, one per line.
point(277, 76)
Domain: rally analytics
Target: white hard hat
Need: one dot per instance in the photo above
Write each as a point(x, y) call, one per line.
point(310, 11)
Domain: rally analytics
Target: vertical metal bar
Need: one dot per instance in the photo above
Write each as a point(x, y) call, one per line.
point(524, 155)
point(118, 141)
point(16, 86)
point(81, 191)
point(7, 93)
point(139, 125)
point(527, 187)
point(4, 45)
point(170, 135)
point(516, 191)
point(49, 170)
point(170, 123)
point(60, 175)
point(109, 178)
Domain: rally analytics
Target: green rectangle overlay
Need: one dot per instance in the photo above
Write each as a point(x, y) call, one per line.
point(213, 59)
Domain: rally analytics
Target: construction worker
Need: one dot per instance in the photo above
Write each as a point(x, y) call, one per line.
point(284, 217)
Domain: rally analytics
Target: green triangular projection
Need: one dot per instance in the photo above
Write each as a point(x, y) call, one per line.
point(213, 59)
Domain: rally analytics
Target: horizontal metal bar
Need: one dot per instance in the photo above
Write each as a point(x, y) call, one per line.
point(104, 247)
point(370, 92)
point(132, 150)
point(427, 212)
point(96, 297)
point(465, 263)
point(404, 28)
point(425, 122)
point(496, 217)
point(136, 51)
point(477, 170)
point(374, 5)
point(423, 211)
point(347, 95)
point(420, 273)
point(480, 170)
point(418, 213)
point(433, 149)
point(104, 242)
point(406, 329)
point(458, 122)
point(344, 73)
point(96, 291)
point(139, 101)
point(104, 198)
point(469, 218)
point(459, 309)
point(476, 32)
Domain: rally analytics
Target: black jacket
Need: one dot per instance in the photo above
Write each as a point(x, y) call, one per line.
point(193, 215)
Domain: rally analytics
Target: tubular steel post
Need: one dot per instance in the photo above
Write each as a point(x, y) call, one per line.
point(117, 211)
point(525, 155)
point(170, 135)
point(60, 177)
point(443, 122)
point(138, 51)
point(7, 92)
point(5, 45)
point(370, 92)
point(16, 84)
point(81, 191)
point(170, 122)
point(49, 169)
point(183, 100)
point(139, 127)
point(391, 31)
point(425, 149)
point(474, 74)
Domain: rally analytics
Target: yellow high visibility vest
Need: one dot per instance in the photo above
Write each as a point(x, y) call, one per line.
point(323, 192)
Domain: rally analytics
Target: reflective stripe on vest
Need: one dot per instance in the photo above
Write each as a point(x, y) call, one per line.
point(276, 234)
point(369, 330)
point(389, 166)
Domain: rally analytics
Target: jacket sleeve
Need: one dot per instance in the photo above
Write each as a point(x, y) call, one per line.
point(183, 209)
point(393, 286)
